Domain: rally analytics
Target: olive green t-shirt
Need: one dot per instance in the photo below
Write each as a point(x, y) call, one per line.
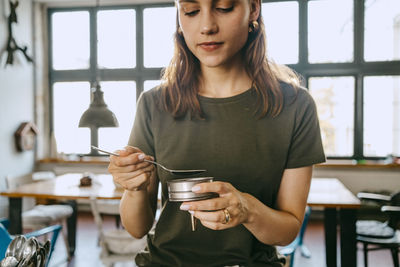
point(234, 145)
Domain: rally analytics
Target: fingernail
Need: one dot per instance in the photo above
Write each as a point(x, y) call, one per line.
point(196, 188)
point(141, 156)
point(191, 212)
point(185, 207)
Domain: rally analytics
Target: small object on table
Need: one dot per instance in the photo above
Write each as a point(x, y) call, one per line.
point(86, 180)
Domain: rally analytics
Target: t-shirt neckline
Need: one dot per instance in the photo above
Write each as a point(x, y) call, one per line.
point(234, 98)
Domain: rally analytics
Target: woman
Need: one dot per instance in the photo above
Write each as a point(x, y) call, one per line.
point(224, 108)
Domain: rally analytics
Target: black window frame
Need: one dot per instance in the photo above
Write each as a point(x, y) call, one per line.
point(358, 69)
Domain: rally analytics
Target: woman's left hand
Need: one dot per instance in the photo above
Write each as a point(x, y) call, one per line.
point(228, 210)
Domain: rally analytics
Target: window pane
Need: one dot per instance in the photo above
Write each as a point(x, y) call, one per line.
point(70, 100)
point(382, 116)
point(116, 32)
point(330, 31)
point(334, 97)
point(382, 30)
point(282, 29)
point(159, 27)
point(151, 84)
point(70, 39)
point(120, 98)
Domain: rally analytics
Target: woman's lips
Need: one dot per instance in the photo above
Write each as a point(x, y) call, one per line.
point(210, 46)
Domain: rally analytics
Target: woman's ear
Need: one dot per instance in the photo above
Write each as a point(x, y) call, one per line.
point(255, 7)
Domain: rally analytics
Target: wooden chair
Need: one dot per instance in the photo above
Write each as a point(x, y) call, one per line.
point(117, 245)
point(290, 250)
point(6, 238)
point(377, 235)
point(35, 217)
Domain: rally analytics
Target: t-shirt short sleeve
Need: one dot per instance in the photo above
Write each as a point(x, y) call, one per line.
point(306, 146)
point(141, 135)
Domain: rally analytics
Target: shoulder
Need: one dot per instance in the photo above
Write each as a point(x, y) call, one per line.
point(152, 94)
point(297, 95)
point(149, 99)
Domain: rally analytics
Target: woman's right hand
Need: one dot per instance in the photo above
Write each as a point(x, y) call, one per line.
point(129, 170)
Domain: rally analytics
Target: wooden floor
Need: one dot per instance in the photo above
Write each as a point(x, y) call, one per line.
point(87, 251)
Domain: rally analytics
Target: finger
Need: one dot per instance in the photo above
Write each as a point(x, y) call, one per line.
point(206, 205)
point(132, 149)
point(140, 182)
point(129, 168)
point(129, 181)
point(217, 216)
point(130, 159)
point(216, 187)
point(125, 176)
point(215, 225)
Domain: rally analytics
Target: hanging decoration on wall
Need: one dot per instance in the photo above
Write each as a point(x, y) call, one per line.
point(12, 45)
point(25, 136)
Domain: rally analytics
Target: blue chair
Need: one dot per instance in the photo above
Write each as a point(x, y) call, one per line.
point(6, 238)
point(290, 249)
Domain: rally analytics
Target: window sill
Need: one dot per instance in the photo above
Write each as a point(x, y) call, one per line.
point(80, 160)
point(368, 164)
point(329, 164)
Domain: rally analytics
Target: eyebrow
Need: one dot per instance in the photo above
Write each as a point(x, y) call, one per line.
point(188, 1)
point(196, 1)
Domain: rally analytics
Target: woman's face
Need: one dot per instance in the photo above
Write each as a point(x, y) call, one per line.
point(216, 30)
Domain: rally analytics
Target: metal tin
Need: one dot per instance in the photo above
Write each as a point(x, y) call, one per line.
point(181, 189)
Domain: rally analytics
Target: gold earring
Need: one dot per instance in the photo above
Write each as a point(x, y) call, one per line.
point(180, 31)
point(253, 27)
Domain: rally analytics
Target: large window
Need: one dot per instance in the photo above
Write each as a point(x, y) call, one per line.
point(348, 51)
point(123, 48)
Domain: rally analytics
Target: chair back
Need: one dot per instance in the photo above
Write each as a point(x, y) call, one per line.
point(394, 217)
point(12, 182)
point(5, 240)
point(116, 244)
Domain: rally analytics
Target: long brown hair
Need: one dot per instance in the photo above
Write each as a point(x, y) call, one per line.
point(181, 78)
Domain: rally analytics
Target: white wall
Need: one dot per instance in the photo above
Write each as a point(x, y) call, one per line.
point(16, 95)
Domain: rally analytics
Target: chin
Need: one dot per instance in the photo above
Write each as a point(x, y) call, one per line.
point(212, 63)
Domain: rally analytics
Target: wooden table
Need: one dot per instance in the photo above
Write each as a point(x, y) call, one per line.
point(328, 193)
point(64, 187)
point(333, 196)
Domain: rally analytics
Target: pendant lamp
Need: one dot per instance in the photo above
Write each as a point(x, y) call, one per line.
point(96, 116)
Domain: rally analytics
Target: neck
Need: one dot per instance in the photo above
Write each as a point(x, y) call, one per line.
point(223, 81)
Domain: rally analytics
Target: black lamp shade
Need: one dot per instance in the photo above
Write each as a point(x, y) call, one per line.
point(98, 115)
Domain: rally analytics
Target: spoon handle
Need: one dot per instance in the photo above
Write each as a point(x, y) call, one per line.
point(156, 163)
point(104, 151)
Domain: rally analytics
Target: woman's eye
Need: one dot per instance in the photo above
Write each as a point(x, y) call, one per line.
point(191, 13)
point(225, 10)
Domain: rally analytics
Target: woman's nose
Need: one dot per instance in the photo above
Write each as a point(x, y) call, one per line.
point(208, 24)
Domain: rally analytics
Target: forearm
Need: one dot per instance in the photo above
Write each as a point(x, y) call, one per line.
point(268, 225)
point(280, 226)
point(137, 213)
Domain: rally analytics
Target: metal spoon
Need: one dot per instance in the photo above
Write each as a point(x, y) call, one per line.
point(29, 248)
point(15, 246)
point(176, 172)
point(9, 261)
point(46, 248)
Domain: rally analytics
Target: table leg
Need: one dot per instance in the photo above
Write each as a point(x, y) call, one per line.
point(71, 227)
point(14, 214)
point(348, 243)
point(330, 236)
